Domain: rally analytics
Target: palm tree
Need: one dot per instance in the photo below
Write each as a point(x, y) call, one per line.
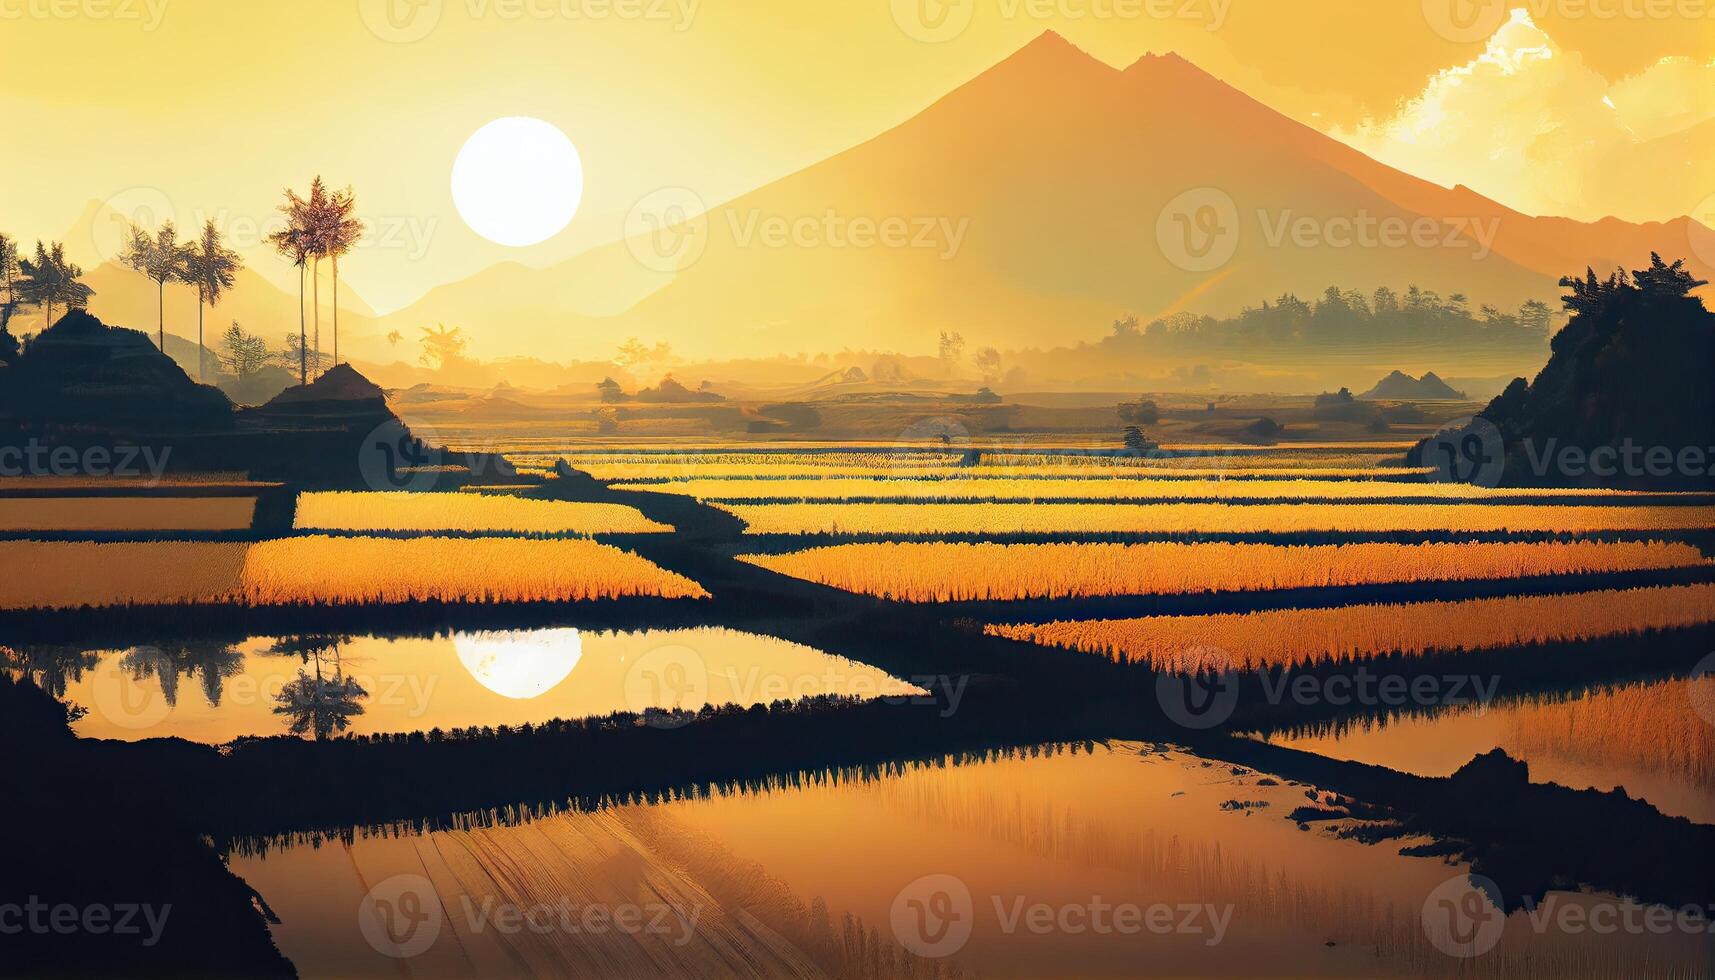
point(317, 215)
point(162, 259)
point(50, 280)
point(342, 233)
point(209, 266)
point(293, 241)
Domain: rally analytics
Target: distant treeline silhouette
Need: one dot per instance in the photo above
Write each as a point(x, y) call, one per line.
point(1344, 318)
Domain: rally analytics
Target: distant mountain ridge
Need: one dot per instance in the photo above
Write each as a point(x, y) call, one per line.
point(1053, 168)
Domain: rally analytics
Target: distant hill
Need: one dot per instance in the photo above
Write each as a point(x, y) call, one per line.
point(1402, 387)
point(1624, 400)
point(82, 371)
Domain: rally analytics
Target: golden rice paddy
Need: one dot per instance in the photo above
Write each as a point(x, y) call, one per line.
point(466, 512)
point(126, 513)
point(1300, 636)
point(951, 572)
point(804, 471)
point(985, 488)
point(1646, 725)
point(328, 570)
point(1179, 518)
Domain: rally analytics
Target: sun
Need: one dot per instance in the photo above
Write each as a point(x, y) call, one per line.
point(518, 181)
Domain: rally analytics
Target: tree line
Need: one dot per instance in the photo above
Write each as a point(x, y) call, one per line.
point(320, 225)
point(1348, 315)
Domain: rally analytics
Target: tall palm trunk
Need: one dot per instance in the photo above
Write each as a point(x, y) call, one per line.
point(336, 311)
point(161, 314)
point(202, 355)
point(303, 354)
point(316, 302)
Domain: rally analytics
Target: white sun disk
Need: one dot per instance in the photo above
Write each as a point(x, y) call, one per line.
point(518, 181)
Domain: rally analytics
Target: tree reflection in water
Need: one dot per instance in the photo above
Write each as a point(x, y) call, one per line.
point(317, 705)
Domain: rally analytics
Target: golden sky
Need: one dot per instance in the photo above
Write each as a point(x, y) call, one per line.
point(212, 106)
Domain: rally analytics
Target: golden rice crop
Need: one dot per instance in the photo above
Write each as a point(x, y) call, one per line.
point(328, 570)
point(1297, 636)
point(1653, 726)
point(465, 512)
point(126, 513)
point(783, 471)
point(950, 572)
point(987, 488)
point(1169, 518)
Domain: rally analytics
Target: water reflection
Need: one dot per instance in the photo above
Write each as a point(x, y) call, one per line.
point(1649, 739)
point(935, 871)
point(323, 686)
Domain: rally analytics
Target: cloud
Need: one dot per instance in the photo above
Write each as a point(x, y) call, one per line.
point(1532, 126)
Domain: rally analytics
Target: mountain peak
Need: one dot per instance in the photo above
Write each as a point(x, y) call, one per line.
point(1050, 51)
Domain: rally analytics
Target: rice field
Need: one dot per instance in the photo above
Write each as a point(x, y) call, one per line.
point(320, 570)
point(466, 512)
point(1283, 637)
point(952, 572)
point(126, 513)
point(979, 489)
point(1177, 518)
point(654, 472)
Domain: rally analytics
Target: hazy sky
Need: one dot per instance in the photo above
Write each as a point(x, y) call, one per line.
point(212, 106)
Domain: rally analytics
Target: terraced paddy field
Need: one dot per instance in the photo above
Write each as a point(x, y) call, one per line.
point(1167, 517)
point(807, 694)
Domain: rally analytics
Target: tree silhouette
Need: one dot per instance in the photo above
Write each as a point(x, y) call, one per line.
point(295, 242)
point(1661, 279)
point(316, 217)
point(243, 353)
point(161, 258)
point(442, 346)
point(210, 267)
point(8, 275)
point(50, 280)
point(317, 705)
point(341, 232)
